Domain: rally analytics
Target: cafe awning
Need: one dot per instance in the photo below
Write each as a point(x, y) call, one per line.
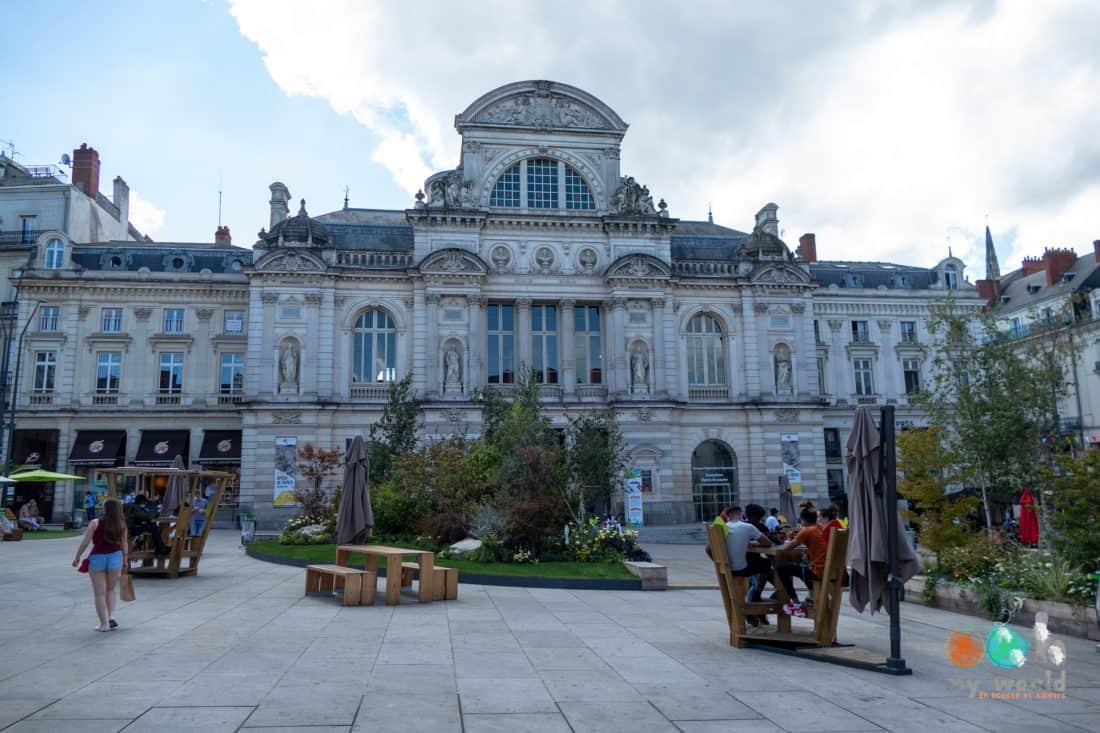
point(98, 448)
point(160, 447)
point(220, 447)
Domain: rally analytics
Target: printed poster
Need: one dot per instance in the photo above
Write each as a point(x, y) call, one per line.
point(286, 471)
point(633, 490)
point(792, 462)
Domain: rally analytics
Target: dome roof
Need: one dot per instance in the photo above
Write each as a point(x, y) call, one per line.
point(300, 228)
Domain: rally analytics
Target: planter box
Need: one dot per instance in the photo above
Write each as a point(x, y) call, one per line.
point(653, 576)
point(1079, 621)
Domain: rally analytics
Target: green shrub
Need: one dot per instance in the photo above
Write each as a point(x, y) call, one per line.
point(396, 510)
point(977, 559)
point(535, 523)
point(591, 542)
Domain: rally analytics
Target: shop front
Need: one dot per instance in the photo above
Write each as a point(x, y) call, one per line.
point(158, 449)
point(221, 451)
point(36, 449)
point(94, 449)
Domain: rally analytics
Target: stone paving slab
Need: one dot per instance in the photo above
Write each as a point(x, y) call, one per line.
point(239, 648)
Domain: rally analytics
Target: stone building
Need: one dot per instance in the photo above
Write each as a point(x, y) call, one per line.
point(727, 358)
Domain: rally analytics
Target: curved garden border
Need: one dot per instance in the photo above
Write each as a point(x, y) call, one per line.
point(479, 579)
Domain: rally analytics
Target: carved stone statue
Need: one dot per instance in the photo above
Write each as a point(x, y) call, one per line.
point(288, 367)
point(639, 368)
point(782, 371)
point(452, 369)
point(632, 198)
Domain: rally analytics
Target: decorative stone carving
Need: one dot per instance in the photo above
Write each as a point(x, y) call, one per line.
point(588, 259)
point(782, 362)
point(639, 368)
point(501, 257)
point(204, 314)
point(432, 298)
point(657, 303)
point(542, 109)
point(142, 314)
point(523, 303)
point(269, 298)
point(544, 258)
point(798, 308)
point(453, 414)
point(786, 415)
point(477, 301)
point(452, 262)
point(632, 197)
point(286, 418)
point(289, 355)
point(638, 266)
point(835, 326)
point(452, 368)
point(617, 303)
point(760, 308)
point(313, 298)
point(567, 302)
point(884, 326)
point(644, 415)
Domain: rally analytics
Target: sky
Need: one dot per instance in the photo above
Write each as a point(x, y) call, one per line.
point(892, 130)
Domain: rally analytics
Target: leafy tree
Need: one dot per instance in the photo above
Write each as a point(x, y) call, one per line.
point(1074, 510)
point(990, 401)
point(596, 458)
point(925, 467)
point(316, 465)
point(395, 431)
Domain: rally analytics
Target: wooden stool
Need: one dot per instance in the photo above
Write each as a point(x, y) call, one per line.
point(359, 585)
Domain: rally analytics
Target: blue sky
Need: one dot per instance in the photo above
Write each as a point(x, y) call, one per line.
point(889, 130)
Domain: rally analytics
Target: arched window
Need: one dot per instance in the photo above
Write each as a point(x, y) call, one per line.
point(542, 183)
point(951, 277)
point(55, 254)
point(374, 349)
point(705, 351)
point(713, 478)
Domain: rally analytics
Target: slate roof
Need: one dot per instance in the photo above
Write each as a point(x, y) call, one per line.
point(160, 257)
point(872, 275)
point(1015, 285)
point(704, 240)
point(378, 230)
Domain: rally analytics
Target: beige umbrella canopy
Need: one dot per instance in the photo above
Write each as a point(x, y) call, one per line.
point(786, 500)
point(355, 519)
point(173, 494)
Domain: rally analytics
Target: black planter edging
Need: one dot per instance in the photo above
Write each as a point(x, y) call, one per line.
point(478, 579)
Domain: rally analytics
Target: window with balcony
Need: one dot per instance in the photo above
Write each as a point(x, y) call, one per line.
point(232, 374)
point(233, 323)
point(30, 229)
point(861, 334)
point(48, 318)
point(111, 321)
point(911, 370)
point(500, 354)
point(544, 343)
point(171, 373)
point(587, 345)
point(909, 332)
point(45, 370)
point(705, 352)
point(865, 382)
point(108, 372)
point(374, 347)
point(173, 320)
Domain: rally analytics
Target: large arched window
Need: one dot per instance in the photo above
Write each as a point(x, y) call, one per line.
point(542, 183)
point(713, 478)
point(374, 349)
point(705, 351)
point(55, 254)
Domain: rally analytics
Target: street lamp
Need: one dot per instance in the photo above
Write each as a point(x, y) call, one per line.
point(15, 386)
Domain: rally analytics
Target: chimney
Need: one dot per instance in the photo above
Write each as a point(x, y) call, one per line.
point(121, 199)
point(807, 247)
point(1031, 265)
point(1096, 249)
point(987, 291)
point(1056, 261)
point(280, 195)
point(86, 169)
point(221, 237)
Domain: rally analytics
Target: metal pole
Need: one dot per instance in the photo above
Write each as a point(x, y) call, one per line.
point(15, 388)
point(890, 481)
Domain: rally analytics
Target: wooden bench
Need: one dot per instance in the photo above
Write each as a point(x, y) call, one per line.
point(735, 588)
point(359, 585)
point(444, 581)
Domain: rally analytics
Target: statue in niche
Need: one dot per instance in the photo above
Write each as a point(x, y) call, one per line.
point(782, 370)
point(288, 367)
point(639, 368)
point(452, 369)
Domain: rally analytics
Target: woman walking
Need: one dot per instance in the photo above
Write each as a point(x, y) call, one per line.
point(107, 536)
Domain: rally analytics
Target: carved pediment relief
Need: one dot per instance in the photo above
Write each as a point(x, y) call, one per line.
point(541, 105)
point(781, 275)
point(290, 261)
point(457, 262)
point(638, 266)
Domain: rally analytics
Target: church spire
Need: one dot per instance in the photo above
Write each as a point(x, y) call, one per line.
point(992, 269)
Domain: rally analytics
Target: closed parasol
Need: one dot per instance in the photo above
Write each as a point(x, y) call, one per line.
point(173, 494)
point(355, 518)
point(1029, 519)
point(786, 499)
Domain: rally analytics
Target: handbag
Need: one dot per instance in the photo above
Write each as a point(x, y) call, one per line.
point(83, 566)
point(126, 587)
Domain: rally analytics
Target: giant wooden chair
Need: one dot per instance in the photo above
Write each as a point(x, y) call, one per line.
point(829, 591)
point(735, 589)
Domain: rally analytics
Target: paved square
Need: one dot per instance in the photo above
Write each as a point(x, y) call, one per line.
point(239, 649)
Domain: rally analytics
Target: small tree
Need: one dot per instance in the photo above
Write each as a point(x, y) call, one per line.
point(1075, 510)
point(316, 465)
point(596, 459)
point(395, 431)
point(925, 466)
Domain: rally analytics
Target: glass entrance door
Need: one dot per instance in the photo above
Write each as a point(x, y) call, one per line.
point(713, 479)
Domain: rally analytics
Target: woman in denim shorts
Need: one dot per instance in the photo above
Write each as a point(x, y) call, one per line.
point(107, 536)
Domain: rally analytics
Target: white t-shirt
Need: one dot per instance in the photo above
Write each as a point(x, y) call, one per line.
point(737, 543)
point(772, 523)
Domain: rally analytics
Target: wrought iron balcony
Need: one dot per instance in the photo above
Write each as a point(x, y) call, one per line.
point(716, 393)
point(379, 392)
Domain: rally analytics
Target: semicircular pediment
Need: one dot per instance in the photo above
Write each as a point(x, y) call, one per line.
point(540, 105)
point(289, 260)
point(453, 261)
point(781, 274)
point(638, 266)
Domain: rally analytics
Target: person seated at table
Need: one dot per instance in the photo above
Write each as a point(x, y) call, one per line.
point(29, 517)
point(772, 520)
point(740, 541)
point(754, 514)
point(141, 519)
point(723, 519)
point(829, 519)
point(809, 536)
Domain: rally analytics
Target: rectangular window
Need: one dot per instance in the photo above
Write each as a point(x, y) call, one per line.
point(542, 184)
point(860, 333)
point(832, 446)
point(171, 373)
point(821, 375)
point(232, 374)
point(911, 370)
point(112, 320)
point(817, 331)
point(108, 372)
point(646, 475)
point(909, 332)
point(45, 369)
point(544, 343)
point(30, 229)
point(234, 322)
point(587, 345)
point(500, 354)
point(49, 316)
point(865, 385)
point(173, 320)
point(834, 478)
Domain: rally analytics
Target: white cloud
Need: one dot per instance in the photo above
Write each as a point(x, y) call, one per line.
point(146, 216)
point(884, 129)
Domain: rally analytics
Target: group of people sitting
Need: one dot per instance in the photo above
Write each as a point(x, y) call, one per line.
point(753, 528)
point(141, 510)
point(29, 517)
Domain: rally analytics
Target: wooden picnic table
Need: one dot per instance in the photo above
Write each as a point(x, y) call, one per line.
point(393, 556)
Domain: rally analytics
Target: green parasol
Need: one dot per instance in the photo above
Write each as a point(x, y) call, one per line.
point(38, 475)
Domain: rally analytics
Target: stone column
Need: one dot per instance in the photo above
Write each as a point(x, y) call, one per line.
point(142, 367)
point(326, 352)
point(475, 343)
point(671, 347)
point(839, 365)
point(754, 360)
point(522, 331)
point(656, 352)
point(619, 358)
point(266, 376)
point(887, 369)
point(198, 382)
point(565, 348)
point(432, 382)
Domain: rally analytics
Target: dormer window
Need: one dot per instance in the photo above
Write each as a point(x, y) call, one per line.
point(55, 255)
point(951, 277)
point(543, 183)
point(1032, 289)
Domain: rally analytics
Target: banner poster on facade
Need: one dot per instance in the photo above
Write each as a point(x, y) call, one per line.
point(792, 462)
point(286, 470)
point(633, 490)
